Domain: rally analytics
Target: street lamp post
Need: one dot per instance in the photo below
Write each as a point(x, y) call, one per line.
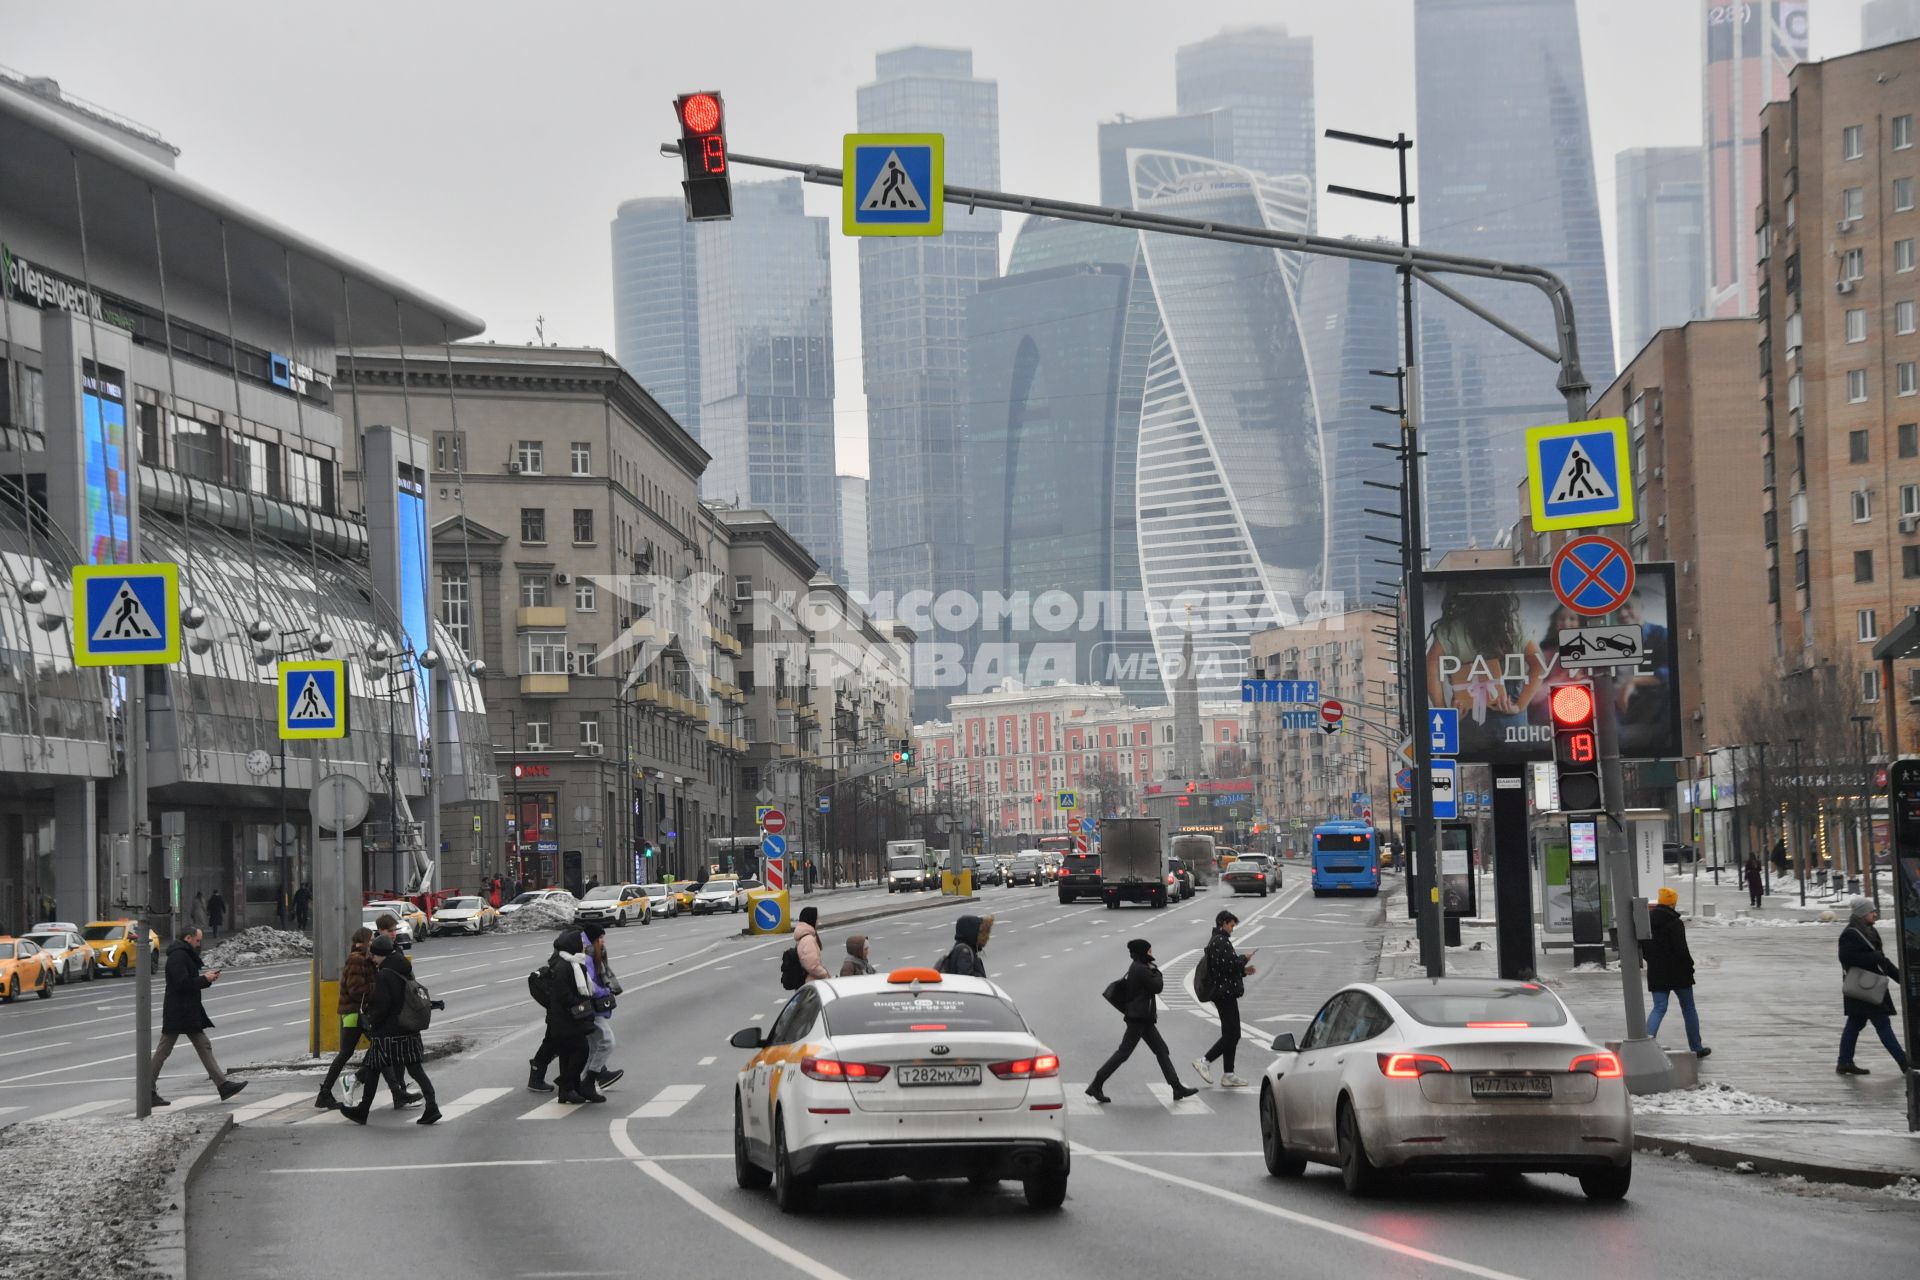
point(1799, 848)
point(1863, 812)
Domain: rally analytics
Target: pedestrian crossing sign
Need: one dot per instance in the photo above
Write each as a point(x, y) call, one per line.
point(892, 184)
point(313, 699)
point(126, 614)
point(1580, 475)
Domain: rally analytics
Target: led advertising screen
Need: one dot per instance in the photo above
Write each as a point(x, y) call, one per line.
point(411, 509)
point(103, 403)
point(1492, 652)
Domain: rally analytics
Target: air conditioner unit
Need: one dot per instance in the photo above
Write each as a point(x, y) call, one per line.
point(514, 467)
point(1909, 523)
point(734, 606)
point(1845, 227)
point(592, 749)
point(1845, 286)
point(562, 579)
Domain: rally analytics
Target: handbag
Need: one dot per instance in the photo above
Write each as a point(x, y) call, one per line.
point(1865, 985)
point(1116, 994)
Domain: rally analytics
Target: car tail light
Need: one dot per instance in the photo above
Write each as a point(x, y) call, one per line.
point(1411, 1066)
point(835, 1069)
point(1260, 875)
point(1605, 1065)
point(1039, 1067)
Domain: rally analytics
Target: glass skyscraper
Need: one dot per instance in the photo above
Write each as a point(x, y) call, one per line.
point(1661, 232)
point(766, 364)
point(1264, 77)
point(1506, 171)
point(656, 307)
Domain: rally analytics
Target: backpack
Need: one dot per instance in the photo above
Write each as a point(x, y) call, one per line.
point(1203, 978)
point(537, 986)
point(417, 1011)
point(793, 975)
point(959, 960)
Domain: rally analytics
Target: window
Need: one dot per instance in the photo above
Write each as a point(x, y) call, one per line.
point(543, 653)
point(1902, 132)
point(1853, 142)
point(531, 455)
point(539, 735)
point(1853, 204)
point(1870, 685)
point(586, 660)
point(1853, 264)
point(1856, 446)
point(1902, 194)
point(1856, 394)
point(533, 522)
point(456, 607)
point(1862, 505)
point(536, 590)
point(1903, 255)
point(1909, 435)
point(1910, 499)
point(1866, 625)
point(743, 587)
point(1863, 566)
point(1856, 325)
point(1790, 213)
point(582, 458)
point(1907, 377)
point(1800, 568)
point(586, 597)
point(449, 451)
point(1910, 563)
point(589, 728)
point(1906, 317)
point(582, 526)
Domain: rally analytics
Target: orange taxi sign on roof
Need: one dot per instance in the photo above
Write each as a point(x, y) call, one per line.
point(914, 975)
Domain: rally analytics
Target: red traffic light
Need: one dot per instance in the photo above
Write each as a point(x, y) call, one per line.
point(1572, 704)
point(700, 112)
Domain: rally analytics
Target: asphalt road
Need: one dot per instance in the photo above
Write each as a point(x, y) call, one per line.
point(509, 1185)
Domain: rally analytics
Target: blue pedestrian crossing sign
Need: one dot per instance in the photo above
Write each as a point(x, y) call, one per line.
point(892, 184)
point(1580, 475)
point(1443, 731)
point(129, 614)
point(313, 699)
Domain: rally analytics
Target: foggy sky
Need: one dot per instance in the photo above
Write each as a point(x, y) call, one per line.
point(478, 149)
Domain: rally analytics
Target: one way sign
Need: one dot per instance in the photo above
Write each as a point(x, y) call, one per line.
point(1443, 731)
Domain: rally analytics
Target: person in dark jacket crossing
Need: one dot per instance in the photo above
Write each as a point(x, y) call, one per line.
point(182, 1014)
point(391, 1046)
point(970, 935)
point(356, 982)
point(1143, 984)
point(1226, 970)
point(1670, 969)
point(570, 1017)
point(1860, 948)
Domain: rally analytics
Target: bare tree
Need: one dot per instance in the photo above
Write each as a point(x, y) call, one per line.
point(1105, 791)
point(1810, 713)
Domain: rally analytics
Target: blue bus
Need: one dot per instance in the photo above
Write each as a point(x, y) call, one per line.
point(1346, 859)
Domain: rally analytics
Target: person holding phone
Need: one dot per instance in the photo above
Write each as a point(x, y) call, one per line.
point(182, 1014)
point(1227, 972)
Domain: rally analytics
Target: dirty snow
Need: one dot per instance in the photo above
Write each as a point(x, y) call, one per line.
point(536, 917)
point(49, 1230)
point(1708, 1100)
point(261, 944)
point(1757, 922)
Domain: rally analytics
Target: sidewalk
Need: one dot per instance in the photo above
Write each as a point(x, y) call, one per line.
point(1768, 991)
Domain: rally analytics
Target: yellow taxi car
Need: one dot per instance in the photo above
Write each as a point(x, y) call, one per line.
point(405, 910)
point(65, 954)
point(112, 943)
point(683, 891)
point(22, 970)
point(614, 904)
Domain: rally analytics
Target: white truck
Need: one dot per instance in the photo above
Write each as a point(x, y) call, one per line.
point(908, 868)
point(1133, 862)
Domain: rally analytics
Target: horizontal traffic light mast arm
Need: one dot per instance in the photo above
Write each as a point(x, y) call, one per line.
point(1423, 263)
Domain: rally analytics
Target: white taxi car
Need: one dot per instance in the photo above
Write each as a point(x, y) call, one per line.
point(907, 1074)
point(614, 904)
point(1458, 1074)
point(464, 915)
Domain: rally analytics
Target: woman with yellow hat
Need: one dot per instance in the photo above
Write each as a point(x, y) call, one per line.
point(1670, 969)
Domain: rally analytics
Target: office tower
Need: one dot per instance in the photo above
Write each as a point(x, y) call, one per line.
point(766, 364)
point(1749, 49)
point(656, 304)
point(1506, 171)
point(913, 329)
point(1660, 229)
point(853, 531)
point(1887, 21)
point(1205, 133)
point(1265, 78)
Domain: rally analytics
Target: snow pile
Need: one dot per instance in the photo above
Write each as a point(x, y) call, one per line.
point(262, 944)
point(1709, 1100)
point(49, 1229)
point(1759, 922)
point(537, 917)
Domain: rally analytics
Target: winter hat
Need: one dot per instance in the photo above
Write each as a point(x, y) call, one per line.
point(809, 915)
point(857, 945)
point(1139, 948)
point(1668, 898)
point(1858, 909)
point(593, 932)
point(383, 944)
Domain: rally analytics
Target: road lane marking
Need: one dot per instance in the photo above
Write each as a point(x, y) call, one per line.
point(248, 1032)
point(707, 1062)
point(37, 1048)
point(1079, 1104)
point(739, 1226)
point(667, 1102)
point(267, 1106)
point(461, 990)
point(84, 1109)
point(554, 1109)
point(1193, 1106)
point(1299, 1219)
point(471, 1101)
point(284, 1003)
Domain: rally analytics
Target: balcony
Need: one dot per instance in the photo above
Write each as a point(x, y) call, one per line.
point(540, 617)
point(648, 693)
point(543, 684)
point(647, 629)
point(790, 750)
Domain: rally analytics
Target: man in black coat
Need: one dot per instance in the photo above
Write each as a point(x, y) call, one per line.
point(1227, 969)
point(1141, 1011)
point(182, 1014)
point(1670, 969)
point(570, 1017)
point(216, 912)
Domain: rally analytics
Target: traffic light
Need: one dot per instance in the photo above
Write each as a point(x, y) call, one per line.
point(703, 152)
point(1576, 747)
point(903, 753)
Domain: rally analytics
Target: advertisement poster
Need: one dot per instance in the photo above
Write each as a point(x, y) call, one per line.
point(1492, 653)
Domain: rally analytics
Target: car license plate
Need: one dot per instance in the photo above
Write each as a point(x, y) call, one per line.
point(1512, 1086)
point(968, 1073)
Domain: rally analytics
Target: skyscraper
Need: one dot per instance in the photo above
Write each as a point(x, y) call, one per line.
point(853, 531)
point(1205, 133)
point(1749, 49)
point(1506, 171)
point(1661, 229)
point(913, 329)
point(1265, 77)
point(766, 364)
point(656, 304)
point(1886, 21)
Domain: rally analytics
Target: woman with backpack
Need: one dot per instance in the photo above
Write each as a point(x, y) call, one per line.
point(1221, 978)
point(570, 1017)
point(1135, 997)
point(393, 1019)
point(356, 980)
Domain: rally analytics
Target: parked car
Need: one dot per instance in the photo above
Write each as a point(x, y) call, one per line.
point(22, 970)
point(409, 915)
point(112, 943)
point(403, 927)
point(65, 953)
point(559, 897)
point(661, 901)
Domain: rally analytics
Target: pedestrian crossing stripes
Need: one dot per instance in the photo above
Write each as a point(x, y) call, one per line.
point(667, 1101)
point(468, 1102)
point(267, 1106)
point(1184, 1107)
point(84, 1109)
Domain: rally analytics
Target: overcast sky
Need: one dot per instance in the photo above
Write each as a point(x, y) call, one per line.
point(478, 148)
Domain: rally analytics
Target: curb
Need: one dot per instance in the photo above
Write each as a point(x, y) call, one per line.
point(1719, 1157)
point(168, 1253)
